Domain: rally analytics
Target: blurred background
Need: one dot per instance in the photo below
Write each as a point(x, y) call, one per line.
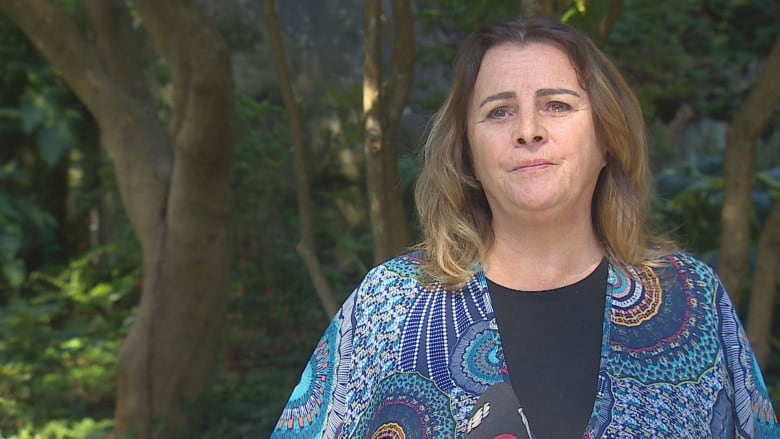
point(189, 189)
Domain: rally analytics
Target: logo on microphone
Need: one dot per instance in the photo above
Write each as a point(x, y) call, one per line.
point(497, 415)
point(477, 417)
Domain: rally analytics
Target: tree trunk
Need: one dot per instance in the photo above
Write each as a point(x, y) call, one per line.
point(608, 15)
point(742, 136)
point(173, 183)
point(396, 94)
point(372, 124)
point(762, 298)
point(382, 111)
point(306, 247)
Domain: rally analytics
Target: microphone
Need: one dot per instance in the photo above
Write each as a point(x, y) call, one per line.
point(498, 415)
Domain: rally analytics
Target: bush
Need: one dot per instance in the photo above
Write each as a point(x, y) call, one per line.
point(58, 351)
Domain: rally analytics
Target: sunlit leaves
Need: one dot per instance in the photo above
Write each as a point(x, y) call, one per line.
point(58, 349)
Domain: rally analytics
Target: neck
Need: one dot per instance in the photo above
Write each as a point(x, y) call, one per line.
point(543, 256)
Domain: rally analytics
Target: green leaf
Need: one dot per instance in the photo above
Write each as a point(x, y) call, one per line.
point(32, 114)
point(100, 290)
point(10, 241)
point(53, 141)
point(14, 272)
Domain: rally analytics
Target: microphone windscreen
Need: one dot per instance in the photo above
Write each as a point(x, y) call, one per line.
point(497, 415)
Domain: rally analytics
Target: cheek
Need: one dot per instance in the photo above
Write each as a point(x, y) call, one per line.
point(477, 165)
point(475, 153)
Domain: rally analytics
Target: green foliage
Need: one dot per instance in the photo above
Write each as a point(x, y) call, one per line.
point(40, 122)
point(690, 198)
point(58, 351)
point(463, 17)
point(449, 22)
point(86, 428)
point(589, 16)
point(275, 318)
point(692, 51)
point(37, 101)
point(689, 203)
point(43, 117)
point(62, 319)
point(20, 218)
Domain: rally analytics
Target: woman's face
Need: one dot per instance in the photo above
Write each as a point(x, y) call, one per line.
point(533, 141)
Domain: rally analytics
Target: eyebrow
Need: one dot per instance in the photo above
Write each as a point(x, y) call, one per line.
point(556, 91)
point(498, 97)
point(539, 93)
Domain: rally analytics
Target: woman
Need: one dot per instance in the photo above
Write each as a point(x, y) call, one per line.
point(536, 274)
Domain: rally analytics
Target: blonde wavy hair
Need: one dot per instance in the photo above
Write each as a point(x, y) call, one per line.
point(454, 215)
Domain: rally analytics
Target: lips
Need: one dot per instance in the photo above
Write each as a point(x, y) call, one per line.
point(533, 165)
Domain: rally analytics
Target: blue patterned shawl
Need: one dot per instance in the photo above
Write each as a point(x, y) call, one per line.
point(402, 360)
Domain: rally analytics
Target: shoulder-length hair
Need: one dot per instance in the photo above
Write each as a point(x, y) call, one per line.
point(454, 214)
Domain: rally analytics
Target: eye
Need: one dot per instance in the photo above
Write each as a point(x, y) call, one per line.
point(557, 106)
point(499, 113)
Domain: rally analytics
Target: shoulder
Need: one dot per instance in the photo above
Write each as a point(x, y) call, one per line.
point(689, 282)
point(687, 272)
point(686, 262)
point(398, 287)
point(405, 266)
point(666, 294)
point(673, 271)
point(391, 286)
point(401, 272)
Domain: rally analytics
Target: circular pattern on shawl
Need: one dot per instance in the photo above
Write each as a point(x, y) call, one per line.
point(407, 405)
point(306, 409)
point(635, 303)
point(662, 333)
point(390, 430)
point(477, 358)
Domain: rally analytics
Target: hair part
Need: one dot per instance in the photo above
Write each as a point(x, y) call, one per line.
point(454, 214)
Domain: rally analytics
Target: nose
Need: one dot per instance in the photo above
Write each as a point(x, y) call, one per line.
point(529, 131)
point(534, 139)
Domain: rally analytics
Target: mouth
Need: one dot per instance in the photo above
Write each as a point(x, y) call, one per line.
point(533, 165)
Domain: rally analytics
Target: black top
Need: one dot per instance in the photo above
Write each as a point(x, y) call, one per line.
point(552, 346)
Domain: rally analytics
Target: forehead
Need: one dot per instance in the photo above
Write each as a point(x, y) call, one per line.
point(534, 65)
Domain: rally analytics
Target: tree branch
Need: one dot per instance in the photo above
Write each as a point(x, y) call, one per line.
point(742, 136)
point(54, 33)
point(201, 75)
point(112, 26)
point(306, 247)
point(120, 113)
point(372, 130)
point(397, 91)
point(402, 63)
point(762, 298)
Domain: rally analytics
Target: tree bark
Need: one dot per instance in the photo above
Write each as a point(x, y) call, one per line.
point(306, 247)
point(742, 135)
point(372, 125)
point(396, 94)
point(382, 110)
point(762, 298)
point(173, 182)
point(607, 21)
